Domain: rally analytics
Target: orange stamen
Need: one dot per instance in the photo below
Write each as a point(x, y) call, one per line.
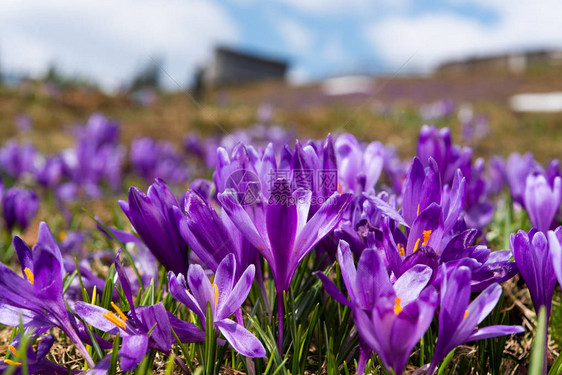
point(216, 294)
point(465, 314)
point(13, 350)
point(29, 275)
point(397, 307)
point(401, 250)
point(426, 235)
point(119, 312)
point(113, 319)
point(416, 245)
point(12, 363)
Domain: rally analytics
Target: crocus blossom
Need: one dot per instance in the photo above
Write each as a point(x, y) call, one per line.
point(141, 328)
point(152, 217)
point(225, 297)
point(37, 363)
point(39, 292)
point(358, 169)
point(532, 256)
point(458, 318)
point(282, 232)
point(19, 207)
point(541, 200)
point(369, 288)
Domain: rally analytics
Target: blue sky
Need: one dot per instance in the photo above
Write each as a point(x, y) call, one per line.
point(108, 41)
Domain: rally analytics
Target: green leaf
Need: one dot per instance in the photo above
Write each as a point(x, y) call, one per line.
point(538, 351)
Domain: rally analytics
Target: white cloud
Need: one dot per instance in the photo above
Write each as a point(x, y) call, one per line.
point(432, 38)
point(110, 40)
point(297, 36)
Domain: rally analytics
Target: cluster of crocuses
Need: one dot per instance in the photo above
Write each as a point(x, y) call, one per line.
point(407, 238)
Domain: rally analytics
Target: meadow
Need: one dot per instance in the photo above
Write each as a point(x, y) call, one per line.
point(278, 230)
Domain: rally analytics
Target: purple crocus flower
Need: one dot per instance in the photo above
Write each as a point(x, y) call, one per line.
point(152, 159)
point(152, 217)
point(555, 247)
point(225, 297)
point(37, 363)
point(282, 232)
point(50, 172)
point(212, 237)
point(38, 295)
point(370, 282)
point(435, 143)
point(373, 297)
point(458, 319)
point(17, 160)
point(541, 200)
point(517, 168)
point(383, 328)
point(358, 169)
point(135, 325)
point(19, 207)
point(532, 256)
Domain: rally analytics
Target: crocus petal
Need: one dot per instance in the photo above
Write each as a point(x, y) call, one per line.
point(242, 220)
point(186, 332)
point(556, 253)
point(242, 340)
point(10, 316)
point(200, 286)
point(322, 223)
point(430, 219)
point(132, 351)
point(332, 289)
point(409, 286)
point(236, 297)
point(46, 241)
point(156, 316)
point(480, 307)
point(178, 289)
point(282, 221)
point(371, 277)
point(25, 256)
point(348, 271)
point(387, 210)
point(203, 230)
point(126, 285)
point(93, 315)
point(494, 331)
point(455, 203)
point(541, 201)
point(412, 190)
point(224, 277)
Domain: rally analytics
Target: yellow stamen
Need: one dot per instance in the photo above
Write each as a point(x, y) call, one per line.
point(62, 236)
point(13, 350)
point(94, 295)
point(465, 314)
point(113, 319)
point(119, 312)
point(401, 250)
point(397, 307)
point(12, 363)
point(340, 188)
point(426, 235)
point(216, 294)
point(418, 214)
point(416, 245)
point(29, 275)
